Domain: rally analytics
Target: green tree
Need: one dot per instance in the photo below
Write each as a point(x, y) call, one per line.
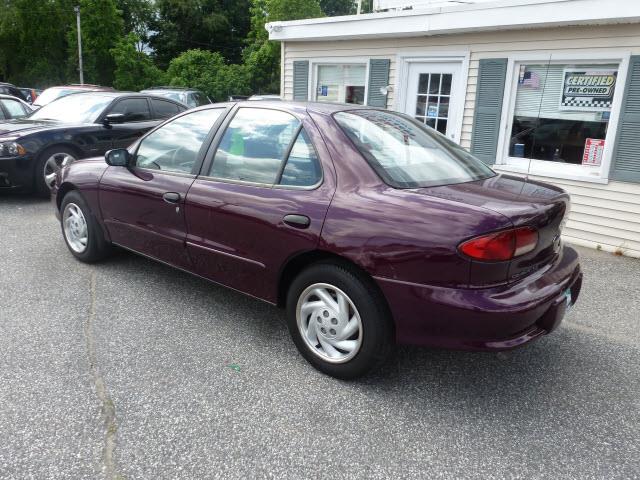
point(332, 8)
point(137, 15)
point(262, 56)
point(102, 27)
point(215, 25)
point(208, 71)
point(33, 41)
point(134, 69)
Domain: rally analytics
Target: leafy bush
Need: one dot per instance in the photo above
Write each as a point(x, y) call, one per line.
point(208, 71)
point(134, 69)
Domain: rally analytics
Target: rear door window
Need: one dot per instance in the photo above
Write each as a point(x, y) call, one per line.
point(164, 109)
point(254, 146)
point(302, 168)
point(134, 109)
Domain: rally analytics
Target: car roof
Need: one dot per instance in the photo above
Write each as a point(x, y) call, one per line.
point(316, 107)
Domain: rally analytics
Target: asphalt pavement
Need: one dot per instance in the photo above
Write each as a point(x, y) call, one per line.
point(130, 369)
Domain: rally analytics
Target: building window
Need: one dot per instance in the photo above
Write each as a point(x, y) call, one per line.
point(342, 83)
point(561, 116)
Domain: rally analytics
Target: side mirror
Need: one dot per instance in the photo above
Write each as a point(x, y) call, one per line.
point(114, 118)
point(118, 157)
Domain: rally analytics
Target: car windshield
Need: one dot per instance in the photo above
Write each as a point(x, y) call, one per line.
point(78, 108)
point(50, 94)
point(406, 154)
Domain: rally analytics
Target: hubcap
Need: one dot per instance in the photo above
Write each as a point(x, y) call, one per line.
point(53, 164)
point(329, 323)
point(75, 228)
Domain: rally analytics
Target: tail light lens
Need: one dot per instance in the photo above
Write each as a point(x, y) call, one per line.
point(501, 246)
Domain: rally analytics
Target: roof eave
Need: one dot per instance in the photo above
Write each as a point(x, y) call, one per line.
point(505, 15)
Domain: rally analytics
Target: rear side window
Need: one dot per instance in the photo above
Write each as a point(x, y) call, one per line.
point(164, 109)
point(406, 154)
point(302, 168)
point(254, 146)
point(134, 109)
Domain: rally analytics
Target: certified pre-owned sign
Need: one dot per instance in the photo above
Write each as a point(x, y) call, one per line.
point(588, 89)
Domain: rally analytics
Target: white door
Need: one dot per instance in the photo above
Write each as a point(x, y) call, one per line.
point(433, 95)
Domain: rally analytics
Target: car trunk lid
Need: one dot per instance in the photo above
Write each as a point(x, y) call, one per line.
point(525, 203)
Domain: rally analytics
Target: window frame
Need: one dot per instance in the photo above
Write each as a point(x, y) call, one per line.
point(204, 148)
point(546, 168)
point(115, 103)
point(207, 164)
point(154, 112)
point(333, 61)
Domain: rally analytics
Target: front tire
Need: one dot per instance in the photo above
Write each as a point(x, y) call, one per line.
point(339, 320)
point(81, 231)
point(49, 161)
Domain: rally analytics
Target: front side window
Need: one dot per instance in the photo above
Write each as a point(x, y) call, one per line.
point(254, 146)
point(133, 109)
point(341, 83)
point(562, 112)
point(175, 146)
point(406, 154)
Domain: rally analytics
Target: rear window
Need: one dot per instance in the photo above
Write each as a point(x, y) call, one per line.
point(406, 154)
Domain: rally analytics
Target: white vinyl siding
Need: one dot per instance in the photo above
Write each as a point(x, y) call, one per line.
point(606, 215)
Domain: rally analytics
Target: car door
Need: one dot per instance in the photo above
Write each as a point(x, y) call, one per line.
point(261, 198)
point(138, 120)
point(143, 204)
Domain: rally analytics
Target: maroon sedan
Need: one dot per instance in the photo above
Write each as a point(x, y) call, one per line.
point(368, 227)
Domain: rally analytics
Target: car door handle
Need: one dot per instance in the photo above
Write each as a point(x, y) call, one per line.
point(171, 197)
point(297, 221)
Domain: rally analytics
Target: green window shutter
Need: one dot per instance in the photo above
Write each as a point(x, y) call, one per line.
point(488, 109)
point(625, 165)
point(378, 78)
point(301, 80)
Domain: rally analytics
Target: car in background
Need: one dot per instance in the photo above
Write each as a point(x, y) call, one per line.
point(53, 93)
point(30, 93)
point(12, 107)
point(10, 89)
point(369, 227)
point(76, 126)
point(189, 96)
point(272, 97)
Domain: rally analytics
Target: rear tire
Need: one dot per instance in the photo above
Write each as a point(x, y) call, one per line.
point(81, 231)
point(48, 161)
point(339, 320)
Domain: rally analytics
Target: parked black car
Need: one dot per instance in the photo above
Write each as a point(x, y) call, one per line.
point(189, 96)
point(73, 127)
point(10, 89)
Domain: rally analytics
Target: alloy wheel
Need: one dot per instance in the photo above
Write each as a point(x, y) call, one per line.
point(53, 164)
point(75, 228)
point(329, 323)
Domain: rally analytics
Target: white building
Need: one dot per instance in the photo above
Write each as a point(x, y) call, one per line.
point(548, 88)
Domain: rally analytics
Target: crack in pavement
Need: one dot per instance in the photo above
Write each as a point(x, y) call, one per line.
point(107, 407)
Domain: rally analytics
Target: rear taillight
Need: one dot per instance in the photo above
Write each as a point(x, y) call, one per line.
point(501, 246)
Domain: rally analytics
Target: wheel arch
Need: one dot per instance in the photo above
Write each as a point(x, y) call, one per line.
point(299, 262)
point(65, 188)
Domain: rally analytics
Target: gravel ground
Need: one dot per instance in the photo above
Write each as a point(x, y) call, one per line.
point(129, 369)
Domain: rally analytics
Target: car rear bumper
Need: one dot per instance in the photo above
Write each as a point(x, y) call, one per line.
point(497, 318)
point(15, 173)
